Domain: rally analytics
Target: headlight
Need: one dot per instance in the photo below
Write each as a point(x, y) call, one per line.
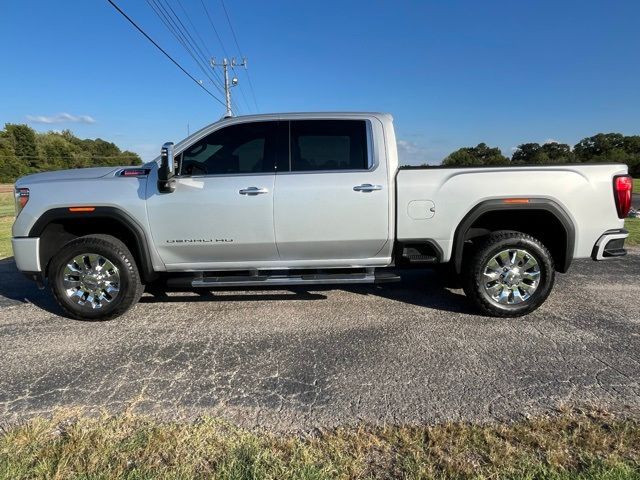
point(22, 197)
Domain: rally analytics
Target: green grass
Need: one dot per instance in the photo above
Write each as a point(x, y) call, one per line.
point(633, 225)
point(570, 444)
point(636, 185)
point(7, 211)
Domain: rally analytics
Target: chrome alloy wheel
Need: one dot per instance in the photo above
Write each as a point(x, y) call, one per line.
point(91, 281)
point(511, 276)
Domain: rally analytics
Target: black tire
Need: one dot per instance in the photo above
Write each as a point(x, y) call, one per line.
point(112, 249)
point(486, 249)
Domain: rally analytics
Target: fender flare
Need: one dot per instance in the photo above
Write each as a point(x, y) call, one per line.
point(539, 204)
point(129, 223)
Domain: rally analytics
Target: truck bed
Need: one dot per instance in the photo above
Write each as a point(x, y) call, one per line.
point(433, 201)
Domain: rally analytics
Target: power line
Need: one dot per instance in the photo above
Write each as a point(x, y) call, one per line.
point(235, 39)
point(164, 52)
point(197, 33)
point(204, 46)
point(174, 29)
point(193, 43)
point(215, 30)
point(179, 30)
point(185, 30)
point(224, 50)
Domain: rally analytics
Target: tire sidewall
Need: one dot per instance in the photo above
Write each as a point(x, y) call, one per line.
point(544, 285)
point(111, 253)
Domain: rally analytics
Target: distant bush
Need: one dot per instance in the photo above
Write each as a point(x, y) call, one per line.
point(24, 151)
point(603, 147)
point(480, 155)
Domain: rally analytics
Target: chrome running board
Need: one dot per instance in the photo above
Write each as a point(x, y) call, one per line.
point(310, 279)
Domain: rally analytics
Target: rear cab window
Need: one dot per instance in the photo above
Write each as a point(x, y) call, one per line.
point(328, 145)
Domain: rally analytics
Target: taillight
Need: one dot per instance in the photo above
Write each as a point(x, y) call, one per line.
point(622, 192)
point(22, 197)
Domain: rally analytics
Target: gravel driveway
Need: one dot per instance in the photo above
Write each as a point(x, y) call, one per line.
point(289, 360)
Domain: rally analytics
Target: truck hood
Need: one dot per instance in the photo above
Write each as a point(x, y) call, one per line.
point(58, 175)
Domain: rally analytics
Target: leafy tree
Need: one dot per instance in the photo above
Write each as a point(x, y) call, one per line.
point(611, 147)
point(479, 155)
point(129, 158)
point(10, 167)
point(23, 140)
point(527, 153)
point(57, 153)
point(632, 147)
point(600, 147)
point(534, 153)
point(23, 151)
point(102, 149)
point(603, 147)
point(8, 161)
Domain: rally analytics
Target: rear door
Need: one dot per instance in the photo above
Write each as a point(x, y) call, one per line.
point(331, 202)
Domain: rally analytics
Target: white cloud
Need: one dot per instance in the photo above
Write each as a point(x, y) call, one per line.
point(61, 118)
point(410, 153)
point(551, 140)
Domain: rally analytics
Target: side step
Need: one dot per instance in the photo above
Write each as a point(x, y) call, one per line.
point(419, 259)
point(259, 280)
point(422, 253)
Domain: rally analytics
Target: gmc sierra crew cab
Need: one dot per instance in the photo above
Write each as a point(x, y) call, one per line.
point(310, 198)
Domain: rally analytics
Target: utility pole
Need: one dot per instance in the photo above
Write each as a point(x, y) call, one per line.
point(225, 64)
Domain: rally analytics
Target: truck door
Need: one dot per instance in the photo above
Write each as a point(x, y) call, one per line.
point(332, 203)
point(222, 208)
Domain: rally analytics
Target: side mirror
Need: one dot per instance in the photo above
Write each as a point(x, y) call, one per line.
point(167, 170)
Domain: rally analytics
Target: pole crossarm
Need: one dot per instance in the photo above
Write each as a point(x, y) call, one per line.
point(225, 64)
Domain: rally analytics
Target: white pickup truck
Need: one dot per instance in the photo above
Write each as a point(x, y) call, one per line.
point(310, 198)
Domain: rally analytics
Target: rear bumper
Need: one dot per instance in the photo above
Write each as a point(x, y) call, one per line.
point(26, 252)
point(610, 245)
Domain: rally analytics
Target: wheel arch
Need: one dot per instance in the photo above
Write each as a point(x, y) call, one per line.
point(58, 226)
point(539, 217)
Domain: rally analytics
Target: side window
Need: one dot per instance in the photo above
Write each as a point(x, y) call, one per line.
point(241, 148)
point(328, 145)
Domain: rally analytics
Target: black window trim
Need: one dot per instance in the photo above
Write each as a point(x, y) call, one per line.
point(372, 160)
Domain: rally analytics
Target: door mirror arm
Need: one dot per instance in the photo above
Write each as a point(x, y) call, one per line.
point(167, 170)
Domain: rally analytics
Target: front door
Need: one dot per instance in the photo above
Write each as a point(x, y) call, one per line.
point(332, 205)
point(222, 208)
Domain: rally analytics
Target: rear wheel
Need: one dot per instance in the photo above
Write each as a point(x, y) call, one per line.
point(95, 278)
point(509, 274)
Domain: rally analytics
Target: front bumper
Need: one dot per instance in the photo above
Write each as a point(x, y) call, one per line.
point(610, 245)
point(26, 252)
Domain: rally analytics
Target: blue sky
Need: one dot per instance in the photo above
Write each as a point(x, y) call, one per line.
point(453, 73)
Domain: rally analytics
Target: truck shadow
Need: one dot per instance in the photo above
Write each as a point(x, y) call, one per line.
point(421, 288)
point(15, 289)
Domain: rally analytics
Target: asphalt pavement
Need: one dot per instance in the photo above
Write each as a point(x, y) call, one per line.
point(289, 360)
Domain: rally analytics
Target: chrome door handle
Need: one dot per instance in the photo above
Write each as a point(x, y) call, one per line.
point(253, 191)
point(367, 187)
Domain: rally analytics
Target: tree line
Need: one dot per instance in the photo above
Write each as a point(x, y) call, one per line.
point(603, 147)
point(24, 151)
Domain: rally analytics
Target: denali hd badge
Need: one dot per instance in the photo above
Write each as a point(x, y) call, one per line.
point(202, 240)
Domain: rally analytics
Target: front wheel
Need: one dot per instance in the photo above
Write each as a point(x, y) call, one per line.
point(95, 278)
point(509, 274)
